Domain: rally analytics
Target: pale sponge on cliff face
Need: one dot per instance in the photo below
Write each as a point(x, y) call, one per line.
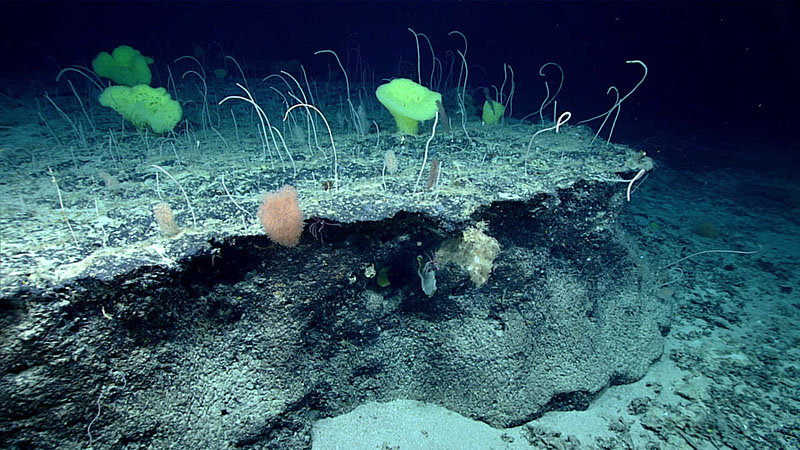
point(474, 252)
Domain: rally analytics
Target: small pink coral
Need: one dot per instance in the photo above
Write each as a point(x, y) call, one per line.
point(281, 217)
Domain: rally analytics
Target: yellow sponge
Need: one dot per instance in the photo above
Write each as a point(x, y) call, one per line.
point(144, 106)
point(408, 102)
point(125, 65)
point(492, 112)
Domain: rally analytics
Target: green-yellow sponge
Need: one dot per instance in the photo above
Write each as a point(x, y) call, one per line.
point(492, 112)
point(408, 102)
point(144, 106)
point(125, 65)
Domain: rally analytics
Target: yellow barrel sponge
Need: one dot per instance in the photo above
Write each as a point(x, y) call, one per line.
point(408, 102)
point(492, 112)
point(144, 106)
point(125, 65)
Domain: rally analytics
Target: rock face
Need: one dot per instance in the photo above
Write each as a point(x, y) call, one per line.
point(565, 312)
point(260, 340)
point(218, 337)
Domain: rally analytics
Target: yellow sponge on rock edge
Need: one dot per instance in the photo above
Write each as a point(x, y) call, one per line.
point(408, 102)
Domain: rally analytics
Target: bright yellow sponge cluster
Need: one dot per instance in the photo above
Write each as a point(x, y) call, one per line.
point(125, 65)
point(144, 106)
